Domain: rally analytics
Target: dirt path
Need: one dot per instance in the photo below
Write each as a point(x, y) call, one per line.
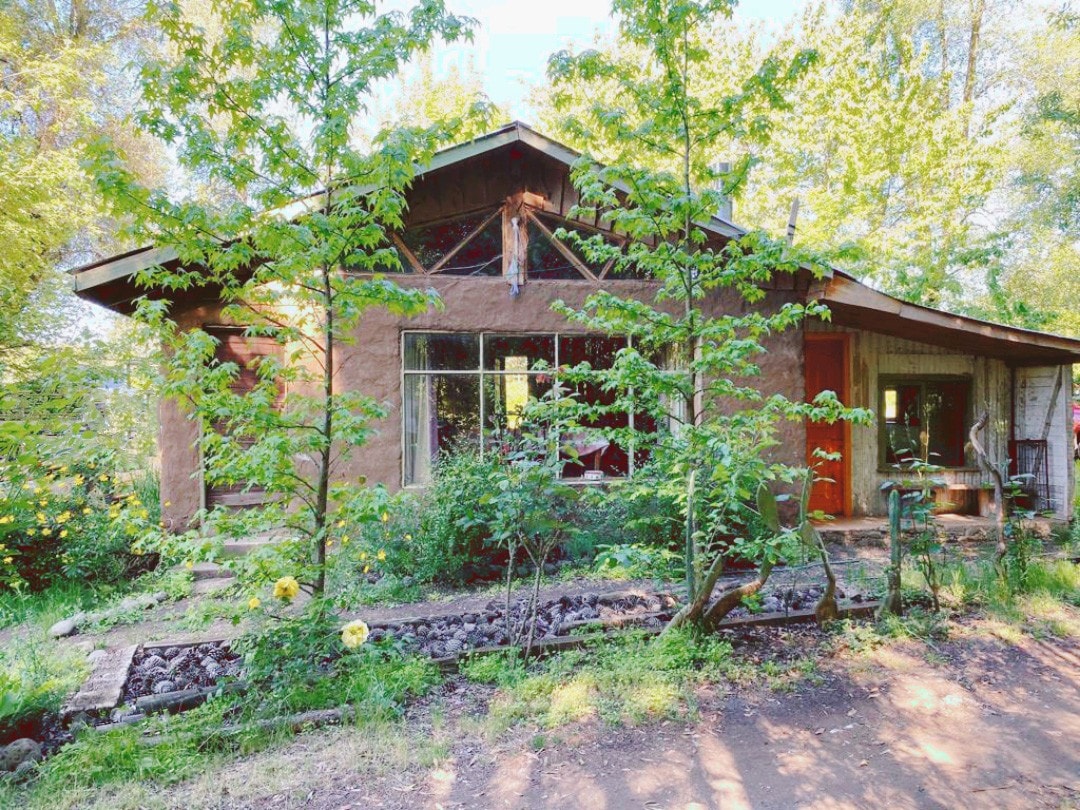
point(971, 723)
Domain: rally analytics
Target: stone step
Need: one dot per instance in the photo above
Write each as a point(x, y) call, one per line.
point(204, 587)
point(105, 686)
point(207, 570)
point(241, 548)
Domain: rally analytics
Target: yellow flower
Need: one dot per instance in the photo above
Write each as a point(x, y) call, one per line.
point(46, 532)
point(103, 477)
point(63, 533)
point(8, 560)
point(363, 555)
point(3, 548)
point(168, 504)
point(354, 634)
point(86, 510)
point(340, 523)
point(329, 543)
point(189, 564)
point(6, 519)
point(64, 468)
point(367, 569)
point(42, 517)
point(384, 517)
point(286, 588)
point(144, 514)
point(253, 603)
point(43, 502)
point(31, 532)
point(345, 540)
point(381, 555)
point(408, 538)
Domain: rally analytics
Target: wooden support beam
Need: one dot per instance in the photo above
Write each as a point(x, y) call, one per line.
point(441, 263)
point(561, 247)
point(410, 257)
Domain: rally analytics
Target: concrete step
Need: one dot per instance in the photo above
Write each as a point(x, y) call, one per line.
point(203, 587)
point(241, 548)
point(207, 570)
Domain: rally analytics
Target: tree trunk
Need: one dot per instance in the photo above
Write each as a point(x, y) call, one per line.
point(893, 603)
point(977, 10)
point(826, 609)
point(692, 611)
point(995, 476)
point(730, 600)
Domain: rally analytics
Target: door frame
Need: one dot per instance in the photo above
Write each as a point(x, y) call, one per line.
point(844, 339)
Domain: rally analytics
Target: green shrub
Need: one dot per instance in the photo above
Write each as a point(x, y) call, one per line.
point(300, 662)
point(440, 534)
point(453, 541)
point(35, 677)
point(636, 561)
point(70, 523)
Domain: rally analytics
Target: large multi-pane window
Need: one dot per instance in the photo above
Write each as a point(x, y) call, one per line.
point(471, 388)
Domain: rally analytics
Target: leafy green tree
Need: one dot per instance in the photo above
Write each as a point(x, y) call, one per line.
point(61, 81)
point(264, 102)
point(1045, 271)
point(425, 98)
point(892, 150)
point(695, 348)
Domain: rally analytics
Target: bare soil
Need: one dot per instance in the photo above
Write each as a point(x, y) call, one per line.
point(975, 722)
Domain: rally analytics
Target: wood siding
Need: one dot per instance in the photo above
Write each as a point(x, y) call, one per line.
point(1037, 409)
point(874, 355)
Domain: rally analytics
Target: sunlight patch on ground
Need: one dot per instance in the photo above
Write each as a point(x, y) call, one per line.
point(722, 772)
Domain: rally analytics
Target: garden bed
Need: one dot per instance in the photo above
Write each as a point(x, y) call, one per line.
point(176, 677)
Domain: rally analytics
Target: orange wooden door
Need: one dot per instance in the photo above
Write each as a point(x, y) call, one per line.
point(826, 362)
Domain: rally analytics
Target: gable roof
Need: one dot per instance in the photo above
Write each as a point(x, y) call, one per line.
point(126, 265)
point(852, 303)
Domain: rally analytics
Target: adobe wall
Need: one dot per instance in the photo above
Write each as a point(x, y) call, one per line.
point(372, 365)
point(178, 434)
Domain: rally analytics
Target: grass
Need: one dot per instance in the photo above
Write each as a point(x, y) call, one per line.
point(630, 680)
point(47, 607)
point(35, 677)
point(625, 681)
point(185, 746)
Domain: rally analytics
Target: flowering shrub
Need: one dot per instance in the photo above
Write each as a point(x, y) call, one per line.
point(68, 522)
point(354, 634)
point(286, 589)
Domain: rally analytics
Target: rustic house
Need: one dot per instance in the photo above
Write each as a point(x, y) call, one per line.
point(451, 375)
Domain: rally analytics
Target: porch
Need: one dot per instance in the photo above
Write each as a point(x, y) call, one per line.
point(874, 530)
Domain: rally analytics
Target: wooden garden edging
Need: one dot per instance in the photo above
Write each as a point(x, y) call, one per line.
point(451, 663)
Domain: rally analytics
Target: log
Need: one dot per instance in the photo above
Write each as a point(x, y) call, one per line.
point(183, 700)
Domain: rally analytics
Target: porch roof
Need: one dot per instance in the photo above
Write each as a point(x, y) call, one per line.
point(855, 305)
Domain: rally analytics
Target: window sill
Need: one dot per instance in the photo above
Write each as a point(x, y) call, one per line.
point(900, 473)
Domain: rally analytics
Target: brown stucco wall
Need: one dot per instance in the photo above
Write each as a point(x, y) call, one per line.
point(371, 364)
point(178, 434)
